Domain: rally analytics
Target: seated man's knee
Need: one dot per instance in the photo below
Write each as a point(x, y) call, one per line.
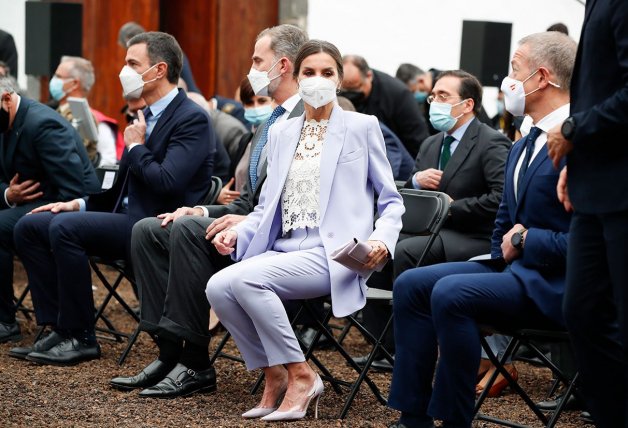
point(412, 288)
point(447, 295)
point(29, 228)
point(188, 228)
point(146, 228)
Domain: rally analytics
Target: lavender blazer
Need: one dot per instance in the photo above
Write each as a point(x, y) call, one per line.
point(353, 168)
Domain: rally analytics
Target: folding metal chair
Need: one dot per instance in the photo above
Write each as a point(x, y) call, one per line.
point(122, 272)
point(426, 212)
point(530, 338)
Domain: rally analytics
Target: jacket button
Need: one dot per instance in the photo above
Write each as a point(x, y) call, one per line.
point(330, 235)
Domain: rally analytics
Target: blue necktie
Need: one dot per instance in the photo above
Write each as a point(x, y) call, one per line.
point(530, 139)
point(257, 151)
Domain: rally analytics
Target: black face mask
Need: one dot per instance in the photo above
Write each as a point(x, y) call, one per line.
point(357, 98)
point(4, 121)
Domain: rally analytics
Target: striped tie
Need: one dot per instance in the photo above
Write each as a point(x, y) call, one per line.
point(257, 151)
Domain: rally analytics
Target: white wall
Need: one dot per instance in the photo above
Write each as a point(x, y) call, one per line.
point(12, 21)
point(428, 33)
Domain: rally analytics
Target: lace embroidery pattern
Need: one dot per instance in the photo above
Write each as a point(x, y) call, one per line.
point(301, 192)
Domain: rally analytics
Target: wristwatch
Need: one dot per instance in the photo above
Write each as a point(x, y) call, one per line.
point(517, 239)
point(568, 128)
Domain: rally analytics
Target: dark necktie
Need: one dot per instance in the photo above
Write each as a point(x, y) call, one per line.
point(446, 153)
point(257, 151)
point(530, 139)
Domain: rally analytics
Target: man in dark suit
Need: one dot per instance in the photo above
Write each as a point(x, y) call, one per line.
point(594, 140)
point(168, 164)
point(466, 161)
point(437, 307)
point(42, 160)
point(377, 93)
point(173, 255)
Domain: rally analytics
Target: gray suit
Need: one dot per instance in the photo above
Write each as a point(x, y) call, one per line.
point(180, 255)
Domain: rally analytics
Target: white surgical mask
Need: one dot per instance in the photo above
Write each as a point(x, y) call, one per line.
point(317, 91)
point(515, 96)
point(259, 80)
point(132, 82)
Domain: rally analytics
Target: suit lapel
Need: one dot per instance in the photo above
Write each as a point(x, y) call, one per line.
point(460, 154)
point(296, 112)
point(509, 177)
point(10, 144)
point(167, 115)
point(332, 147)
point(432, 153)
point(540, 157)
point(290, 139)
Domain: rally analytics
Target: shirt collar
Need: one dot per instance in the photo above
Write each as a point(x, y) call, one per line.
point(160, 105)
point(458, 133)
point(291, 103)
point(554, 118)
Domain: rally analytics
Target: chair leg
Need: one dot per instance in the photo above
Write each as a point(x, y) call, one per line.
point(129, 345)
point(364, 372)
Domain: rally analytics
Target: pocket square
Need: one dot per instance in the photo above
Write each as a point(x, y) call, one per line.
point(353, 255)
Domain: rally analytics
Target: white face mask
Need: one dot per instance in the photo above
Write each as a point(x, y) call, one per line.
point(515, 96)
point(317, 91)
point(259, 80)
point(132, 82)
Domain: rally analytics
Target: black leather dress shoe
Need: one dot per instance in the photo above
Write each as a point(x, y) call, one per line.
point(586, 418)
point(66, 353)
point(9, 332)
point(42, 345)
point(182, 381)
point(378, 364)
point(573, 403)
point(149, 376)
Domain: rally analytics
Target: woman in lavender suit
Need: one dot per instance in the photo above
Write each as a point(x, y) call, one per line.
point(324, 169)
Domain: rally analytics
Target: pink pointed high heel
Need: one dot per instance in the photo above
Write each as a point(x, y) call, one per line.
point(258, 412)
point(296, 412)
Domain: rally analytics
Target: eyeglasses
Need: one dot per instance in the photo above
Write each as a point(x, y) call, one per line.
point(440, 98)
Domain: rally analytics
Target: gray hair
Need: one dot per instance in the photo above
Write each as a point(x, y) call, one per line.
point(555, 51)
point(128, 31)
point(81, 70)
point(7, 85)
point(285, 40)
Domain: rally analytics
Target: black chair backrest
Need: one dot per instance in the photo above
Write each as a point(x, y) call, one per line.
point(214, 191)
point(107, 175)
point(426, 212)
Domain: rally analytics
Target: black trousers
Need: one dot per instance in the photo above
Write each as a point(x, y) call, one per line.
point(55, 250)
point(596, 311)
point(8, 218)
point(172, 266)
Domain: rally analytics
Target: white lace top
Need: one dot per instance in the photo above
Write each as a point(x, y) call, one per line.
point(300, 207)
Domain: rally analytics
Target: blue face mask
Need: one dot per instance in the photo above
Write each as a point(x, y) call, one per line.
point(440, 116)
point(56, 88)
point(420, 96)
point(500, 107)
point(258, 115)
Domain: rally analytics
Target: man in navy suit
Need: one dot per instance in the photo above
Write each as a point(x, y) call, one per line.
point(594, 140)
point(439, 307)
point(42, 160)
point(168, 163)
